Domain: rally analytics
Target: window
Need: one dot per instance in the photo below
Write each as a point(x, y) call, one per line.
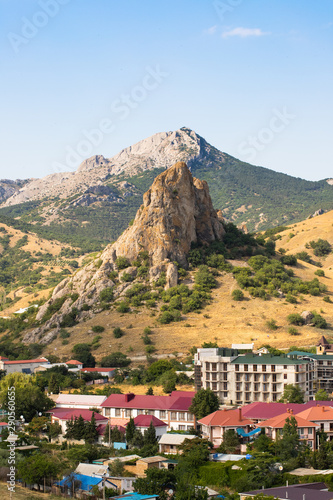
point(182, 427)
point(150, 412)
point(310, 431)
point(173, 415)
point(162, 414)
point(274, 397)
point(128, 413)
point(246, 368)
point(239, 396)
point(257, 378)
point(247, 377)
point(263, 368)
point(285, 367)
point(190, 417)
point(265, 378)
point(207, 385)
point(274, 387)
point(247, 387)
point(265, 387)
point(141, 412)
point(182, 415)
point(117, 412)
point(214, 367)
point(189, 427)
point(273, 368)
point(285, 376)
point(225, 367)
point(225, 394)
point(225, 376)
point(257, 387)
point(214, 376)
point(214, 386)
point(237, 368)
point(207, 376)
point(255, 368)
point(274, 377)
point(331, 426)
point(207, 366)
point(107, 412)
point(225, 386)
point(247, 396)
point(239, 386)
point(238, 377)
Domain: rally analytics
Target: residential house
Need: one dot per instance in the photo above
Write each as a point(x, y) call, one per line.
point(91, 469)
point(324, 347)
point(171, 443)
point(80, 482)
point(172, 409)
point(74, 363)
point(322, 416)
point(142, 422)
point(216, 424)
point(104, 372)
point(62, 416)
point(306, 429)
point(27, 366)
point(79, 401)
point(243, 378)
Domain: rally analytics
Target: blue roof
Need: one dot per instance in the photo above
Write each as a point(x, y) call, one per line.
point(87, 482)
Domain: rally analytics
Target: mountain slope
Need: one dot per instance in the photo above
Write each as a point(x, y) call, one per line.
point(97, 202)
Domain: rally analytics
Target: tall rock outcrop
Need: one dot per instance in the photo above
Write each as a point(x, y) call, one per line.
point(177, 210)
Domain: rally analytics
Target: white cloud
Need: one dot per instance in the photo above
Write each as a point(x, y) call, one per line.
point(244, 32)
point(211, 31)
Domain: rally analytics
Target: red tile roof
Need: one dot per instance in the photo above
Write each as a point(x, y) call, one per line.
point(226, 418)
point(101, 428)
point(2, 358)
point(144, 421)
point(148, 402)
point(68, 414)
point(317, 413)
point(73, 362)
point(4, 423)
point(20, 361)
point(279, 421)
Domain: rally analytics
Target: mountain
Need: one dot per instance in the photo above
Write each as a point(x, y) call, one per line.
point(9, 188)
point(93, 205)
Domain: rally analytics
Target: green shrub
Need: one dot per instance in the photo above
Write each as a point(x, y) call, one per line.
point(98, 329)
point(289, 260)
point(319, 272)
point(295, 319)
point(122, 263)
point(123, 306)
point(64, 334)
point(291, 298)
point(237, 294)
point(147, 331)
point(126, 277)
point(293, 331)
point(304, 256)
point(106, 295)
point(169, 316)
point(118, 332)
point(150, 349)
point(146, 339)
point(69, 319)
point(327, 299)
point(320, 247)
point(318, 321)
point(204, 278)
point(271, 324)
point(85, 307)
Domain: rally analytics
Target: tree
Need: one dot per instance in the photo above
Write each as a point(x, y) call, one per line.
point(204, 403)
point(116, 360)
point(53, 384)
point(289, 445)
point(29, 398)
point(230, 442)
point(37, 425)
point(137, 439)
point(292, 394)
point(54, 430)
point(116, 468)
point(321, 395)
point(35, 468)
point(130, 429)
point(82, 353)
point(150, 435)
point(157, 481)
point(150, 391)
point(90, 431)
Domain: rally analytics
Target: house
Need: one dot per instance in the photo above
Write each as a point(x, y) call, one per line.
point(323, 347)
point(91, 469)
point(308, 491)
point(101, 428)
point(172, 409)
point(322, 416)
point(143, 464)
point(258, 412)
point(142, 422)
point(62, 416)
point(105, 372)
point(243, 378)
point(123, 483)
point(74, 363)
point(306, 429)
point(216, 424)
point(79, 401)
point(27, 366)
point(170, 443)
point(84, 483)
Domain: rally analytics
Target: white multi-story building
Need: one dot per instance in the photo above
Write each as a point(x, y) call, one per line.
point(243, 378)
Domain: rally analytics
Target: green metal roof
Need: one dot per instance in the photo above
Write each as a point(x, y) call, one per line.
point(267, 359)
point(325, 357)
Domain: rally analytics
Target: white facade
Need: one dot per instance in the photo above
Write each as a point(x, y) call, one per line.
point(79, 401)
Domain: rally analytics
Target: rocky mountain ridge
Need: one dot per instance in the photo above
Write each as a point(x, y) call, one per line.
point(177, 211)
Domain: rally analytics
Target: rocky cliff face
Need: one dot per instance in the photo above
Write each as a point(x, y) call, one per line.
point(177, 210)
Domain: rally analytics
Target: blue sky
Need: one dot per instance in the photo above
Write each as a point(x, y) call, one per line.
point(83, 77)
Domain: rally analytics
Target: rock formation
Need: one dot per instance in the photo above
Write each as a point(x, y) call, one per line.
point(177, 211)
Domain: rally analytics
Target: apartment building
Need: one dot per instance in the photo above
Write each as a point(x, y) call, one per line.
point(172, 409)
point(322, 367)
point(244, 378)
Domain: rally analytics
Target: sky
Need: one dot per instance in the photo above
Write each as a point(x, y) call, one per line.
point(85, 77)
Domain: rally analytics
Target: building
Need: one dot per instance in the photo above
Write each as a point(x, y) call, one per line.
point(308, 491)
point(170, 443)
point(306, 429)
point(322, 368)
point(263, 411)
point(142, 423)
point(80, 482)
point(74, 363)
point(215, 425)
point(27, 366)
point(323, 347)
point(243, 378)
point(322, 416)
point(104, 372)
point(79, 401)
point(172, 409)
